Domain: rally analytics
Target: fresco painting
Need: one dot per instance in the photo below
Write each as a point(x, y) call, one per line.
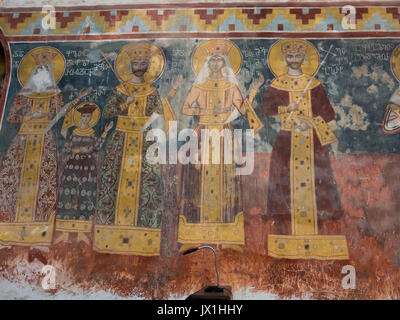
point(305, 113)
point(79, 191)
point(211, 200)
point(29, 168)
point(129, 195)
point(78, 172)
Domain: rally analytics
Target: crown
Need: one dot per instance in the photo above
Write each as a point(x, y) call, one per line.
point(43, 56)
point(87, 108)
point(218, 48)
point(141, 50)
point(294, 46)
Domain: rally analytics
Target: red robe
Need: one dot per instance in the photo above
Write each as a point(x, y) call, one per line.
point(327, 197)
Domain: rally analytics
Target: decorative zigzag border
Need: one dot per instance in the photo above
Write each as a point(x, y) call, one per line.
point(189, 20)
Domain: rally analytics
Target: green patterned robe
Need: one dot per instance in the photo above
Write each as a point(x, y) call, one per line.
point(150, 198)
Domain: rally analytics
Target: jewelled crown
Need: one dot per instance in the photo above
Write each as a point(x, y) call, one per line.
point(218, 48)
point(294, 46)
point(43, 56)
point(141, 50)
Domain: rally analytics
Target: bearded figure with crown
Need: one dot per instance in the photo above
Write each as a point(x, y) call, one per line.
point(129, 198)
point(302, 191)
point(28, 172)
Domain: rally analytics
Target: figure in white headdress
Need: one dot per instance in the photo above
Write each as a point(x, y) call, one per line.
point(210, 199)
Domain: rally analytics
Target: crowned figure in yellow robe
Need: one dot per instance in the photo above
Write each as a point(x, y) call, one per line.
point(301, 190)
point(129, 198)
point(210, 199)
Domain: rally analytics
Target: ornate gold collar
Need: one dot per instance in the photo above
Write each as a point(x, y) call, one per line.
point(294, 83)
point(136, 90)
point(83, 132)
point(215, 84)
point(40, 95)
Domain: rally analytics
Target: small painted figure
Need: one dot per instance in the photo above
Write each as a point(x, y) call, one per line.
point(78, 164)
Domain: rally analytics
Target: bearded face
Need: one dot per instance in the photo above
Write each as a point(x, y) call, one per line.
point(294, 60)
point(140, 67)
point(41, 79)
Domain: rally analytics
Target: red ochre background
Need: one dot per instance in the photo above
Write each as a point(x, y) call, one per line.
point(369, 191)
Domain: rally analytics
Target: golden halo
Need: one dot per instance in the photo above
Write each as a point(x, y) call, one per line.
point(202, 51)
point(28, 63)
point(76, 115)
point(278, 65)
point(123, 63)
point(395, 62)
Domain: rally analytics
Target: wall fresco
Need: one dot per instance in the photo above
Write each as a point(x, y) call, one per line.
point(82, 113)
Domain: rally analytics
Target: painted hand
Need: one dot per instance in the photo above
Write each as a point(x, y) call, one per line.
point(37, 115)
point(130, 99)
point(293, 106)
point(304, 126)
point(109, 126)
point(256, 84)
point(84, 92)
point(177, 82)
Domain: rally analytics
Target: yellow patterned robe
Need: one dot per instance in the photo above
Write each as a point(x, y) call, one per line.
point(129, 200)
point(301, 183)
point(211, 209)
